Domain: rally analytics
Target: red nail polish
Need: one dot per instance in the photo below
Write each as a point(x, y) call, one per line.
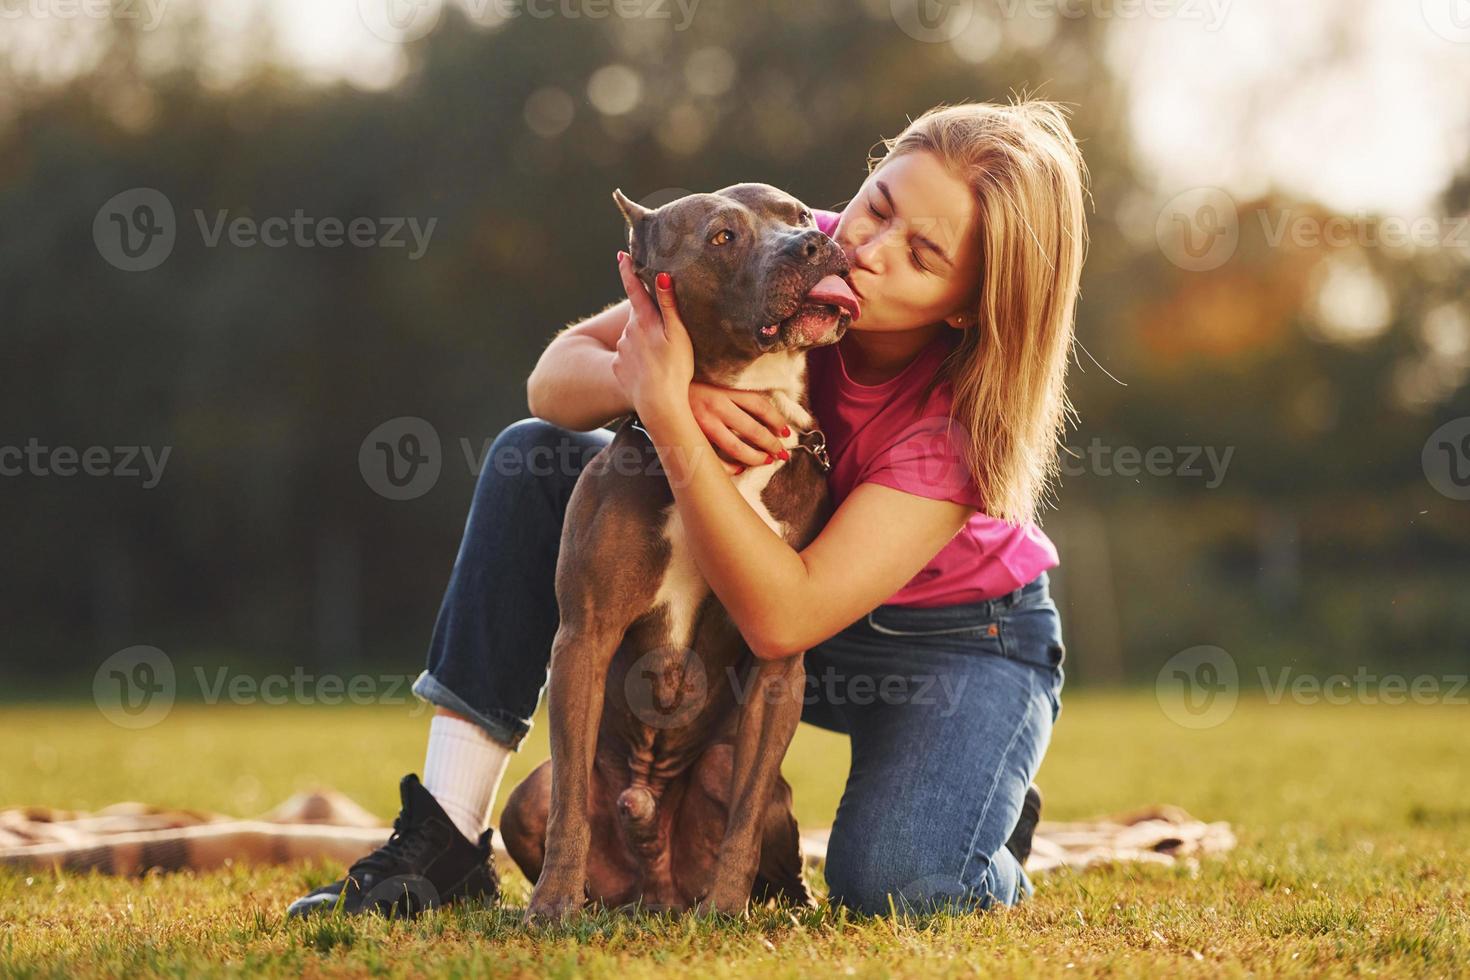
point(664, 280)
point(769, 458)
point(785, 454)
point(786, 430)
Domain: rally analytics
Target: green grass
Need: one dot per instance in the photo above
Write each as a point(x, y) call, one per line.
point(1354, 856)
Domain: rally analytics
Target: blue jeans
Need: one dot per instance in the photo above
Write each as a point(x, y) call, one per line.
point(949, 709)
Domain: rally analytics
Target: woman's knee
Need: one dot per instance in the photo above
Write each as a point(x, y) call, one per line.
point(874, 886)
point(534, 449)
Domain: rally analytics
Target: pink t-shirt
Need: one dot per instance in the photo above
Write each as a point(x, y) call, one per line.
point(883, 434)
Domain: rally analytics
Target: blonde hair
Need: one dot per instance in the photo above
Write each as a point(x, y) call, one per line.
point(1008, 371)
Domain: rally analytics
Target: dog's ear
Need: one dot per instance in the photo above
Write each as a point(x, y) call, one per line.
point(632, 210)
point(637, 217)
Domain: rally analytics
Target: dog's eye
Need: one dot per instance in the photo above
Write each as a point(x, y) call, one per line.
point(722, 237)
point(806, 218)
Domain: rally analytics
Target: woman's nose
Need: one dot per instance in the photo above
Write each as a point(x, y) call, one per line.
point(868, 254)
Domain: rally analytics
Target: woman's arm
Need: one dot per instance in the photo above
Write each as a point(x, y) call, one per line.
point(572, 384)
point(781, 600)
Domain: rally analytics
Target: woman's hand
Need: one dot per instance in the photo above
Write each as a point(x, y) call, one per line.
point(654, 360)
point(744, 427)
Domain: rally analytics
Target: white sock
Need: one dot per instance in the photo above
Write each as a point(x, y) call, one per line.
point(462, 769)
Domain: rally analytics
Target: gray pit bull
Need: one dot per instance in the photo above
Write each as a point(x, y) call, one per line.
point(664, 788)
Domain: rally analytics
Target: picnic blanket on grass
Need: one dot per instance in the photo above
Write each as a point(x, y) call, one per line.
point(135, 838)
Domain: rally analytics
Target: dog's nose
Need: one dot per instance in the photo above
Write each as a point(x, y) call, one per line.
point(809, 247)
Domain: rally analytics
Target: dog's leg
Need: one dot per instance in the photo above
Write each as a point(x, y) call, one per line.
point(579, 665)
point(523, 821)
point(768, 720)
point(780, 875)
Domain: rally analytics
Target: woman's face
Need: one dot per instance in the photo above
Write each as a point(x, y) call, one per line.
point(910, 238)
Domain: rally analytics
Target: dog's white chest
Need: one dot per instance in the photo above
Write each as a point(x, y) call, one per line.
point(683, 587)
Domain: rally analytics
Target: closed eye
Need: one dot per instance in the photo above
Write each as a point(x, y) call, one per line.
point(914, 259)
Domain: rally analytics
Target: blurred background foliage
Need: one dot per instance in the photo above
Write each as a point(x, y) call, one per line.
point(1321, 369)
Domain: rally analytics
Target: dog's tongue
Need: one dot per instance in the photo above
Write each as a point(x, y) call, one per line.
point(835, 290)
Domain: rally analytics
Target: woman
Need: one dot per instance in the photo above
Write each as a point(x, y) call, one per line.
point(922, 605)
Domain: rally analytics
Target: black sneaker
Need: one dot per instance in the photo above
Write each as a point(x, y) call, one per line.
point(426, 862)
point(1020, 842)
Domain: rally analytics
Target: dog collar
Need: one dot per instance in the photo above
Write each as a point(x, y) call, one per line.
point(813, 441)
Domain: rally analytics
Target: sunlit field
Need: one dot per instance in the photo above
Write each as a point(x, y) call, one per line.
point(1353, 821)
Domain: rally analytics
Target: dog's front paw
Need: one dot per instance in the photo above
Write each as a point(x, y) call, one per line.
point(723, 902)
point(552, 911)
point(553, 906)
